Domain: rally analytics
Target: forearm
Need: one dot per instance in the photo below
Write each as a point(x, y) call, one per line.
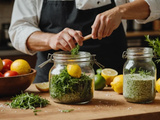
point(38, 41)
point(64, 40)
point(138, 9)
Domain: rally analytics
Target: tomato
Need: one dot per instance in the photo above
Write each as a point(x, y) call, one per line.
point(1, 75)
point(10, 73)
point(6, 64)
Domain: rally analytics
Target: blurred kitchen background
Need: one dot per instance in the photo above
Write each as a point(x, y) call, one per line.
point(6, 48)
point(135, 33)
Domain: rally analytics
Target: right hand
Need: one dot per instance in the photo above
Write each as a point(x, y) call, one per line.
point(65, 40)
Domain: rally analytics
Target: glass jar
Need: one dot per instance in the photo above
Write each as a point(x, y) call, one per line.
point(63, 87)
point(139, 75)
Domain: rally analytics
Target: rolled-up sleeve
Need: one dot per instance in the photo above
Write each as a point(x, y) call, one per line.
point(24, 22)
point(154, 6)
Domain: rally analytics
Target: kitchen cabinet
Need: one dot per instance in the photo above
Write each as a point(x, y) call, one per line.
point(135, 35)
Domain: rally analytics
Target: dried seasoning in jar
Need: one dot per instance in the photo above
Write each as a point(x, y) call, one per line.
point(139, 73)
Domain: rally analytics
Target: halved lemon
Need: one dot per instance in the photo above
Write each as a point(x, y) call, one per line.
point(43, 87)
point(109, 74)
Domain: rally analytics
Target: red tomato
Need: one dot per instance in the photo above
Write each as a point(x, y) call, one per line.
point(10, 73)
point(1, 75)
point(6, 64)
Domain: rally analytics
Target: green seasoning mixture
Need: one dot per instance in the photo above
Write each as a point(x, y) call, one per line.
point(66, 89)
point(28, 101)
point(137, 88)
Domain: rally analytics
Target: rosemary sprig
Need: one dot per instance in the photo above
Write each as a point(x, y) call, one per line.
point(155, 43)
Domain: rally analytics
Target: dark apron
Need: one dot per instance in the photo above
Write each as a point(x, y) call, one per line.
point(57, 15)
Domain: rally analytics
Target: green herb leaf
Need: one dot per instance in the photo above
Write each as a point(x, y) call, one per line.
point(66, 111)
point(75, 50)
point(132, 70)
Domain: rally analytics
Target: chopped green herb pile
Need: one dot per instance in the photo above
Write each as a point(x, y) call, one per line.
point(28, 101)
point(156, 46)
point(67, 89)
point(75, 50)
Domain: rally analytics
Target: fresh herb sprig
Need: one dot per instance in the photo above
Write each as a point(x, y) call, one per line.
point(140, 71)
point(155, 43)
point(28, 101)
point(75, 50)
point(132, 70)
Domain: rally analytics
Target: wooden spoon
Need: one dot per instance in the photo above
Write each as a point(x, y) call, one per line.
point(87, 37)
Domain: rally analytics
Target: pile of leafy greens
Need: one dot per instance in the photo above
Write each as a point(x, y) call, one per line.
point(28, 101)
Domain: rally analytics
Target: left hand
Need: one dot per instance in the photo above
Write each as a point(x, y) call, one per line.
point(105, 23)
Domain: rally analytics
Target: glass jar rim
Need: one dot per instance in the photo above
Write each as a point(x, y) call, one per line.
point(138, 52)
point(62, 56)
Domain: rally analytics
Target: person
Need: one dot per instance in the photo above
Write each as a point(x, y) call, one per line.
point(45, 26)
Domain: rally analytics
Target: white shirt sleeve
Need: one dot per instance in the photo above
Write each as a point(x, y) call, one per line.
point(155, 11)
point(24, 22)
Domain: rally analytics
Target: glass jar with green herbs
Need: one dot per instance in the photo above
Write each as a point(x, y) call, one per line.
point(71, 77)
point(139, 73)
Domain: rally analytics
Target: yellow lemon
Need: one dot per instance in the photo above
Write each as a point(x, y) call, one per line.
point(1, 64)
point(117, 84)
point(43, 87)
point(158, 85)
point(74, 70)
point(21, 66)
point(109, 74)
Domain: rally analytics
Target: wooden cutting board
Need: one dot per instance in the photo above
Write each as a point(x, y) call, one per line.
point(106, 104)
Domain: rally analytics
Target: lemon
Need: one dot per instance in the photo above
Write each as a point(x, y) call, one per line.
point(117, 84)
point(21, 66)
point(99, 82)
point(158, 85)
point(1, 64)
point(74, 70)
point(43, 87)
point(109, 74)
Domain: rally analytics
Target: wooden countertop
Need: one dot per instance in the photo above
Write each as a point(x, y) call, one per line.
point(106, 104)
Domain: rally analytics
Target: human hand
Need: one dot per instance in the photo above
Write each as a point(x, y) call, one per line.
point(66, 39)
point(105, 23)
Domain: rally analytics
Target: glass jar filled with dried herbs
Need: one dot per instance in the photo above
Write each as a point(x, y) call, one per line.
point(139, 73)
point(71, 77)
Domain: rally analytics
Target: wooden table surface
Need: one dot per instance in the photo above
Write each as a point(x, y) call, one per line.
point(106, 104)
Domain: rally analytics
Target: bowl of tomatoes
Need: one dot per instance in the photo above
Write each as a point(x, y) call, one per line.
point(15, 76)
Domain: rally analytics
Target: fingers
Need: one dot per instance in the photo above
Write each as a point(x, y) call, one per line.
point(101, 27)
point(66, 39)
point(105, 23)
